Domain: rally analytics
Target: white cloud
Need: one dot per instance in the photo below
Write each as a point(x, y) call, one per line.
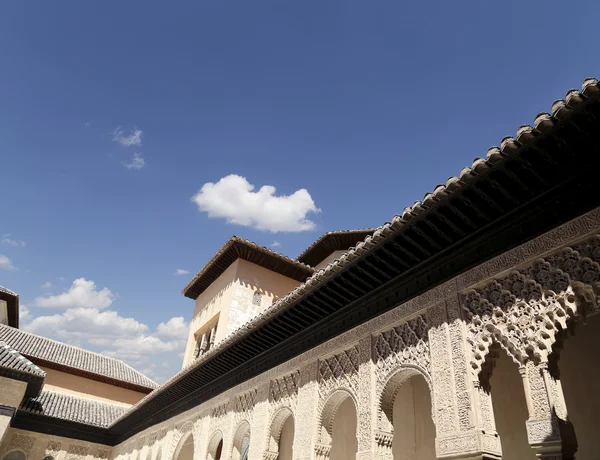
point(175, 328)
point(181, 271)
point(6, 239)
point(88, 324)
point(127, 140)
point(87, 124)
point(24, 315)
point(275, 244)
point(46, 285)
point(137, 162)
point(233, 198)
point(82, 293)
point(6, 263)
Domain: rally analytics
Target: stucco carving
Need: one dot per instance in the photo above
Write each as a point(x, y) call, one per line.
point(77, 452)
point(525, 310)
point(21, 442)
point(284, 391)
point(451, 363)
point(339, 371)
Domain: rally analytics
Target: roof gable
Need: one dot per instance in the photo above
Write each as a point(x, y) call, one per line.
point(239, 248)
point(330, 242)
point(74, 360)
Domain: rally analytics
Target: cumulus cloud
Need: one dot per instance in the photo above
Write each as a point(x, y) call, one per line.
point(175, 328)
point(181, 271)
point(233, 199)
point(128, 139)
point(7, 239)
point(6, 264)
point(89, 324)
point(46, 285)
point(137, 162)
point(24, 315)
point(82, 293)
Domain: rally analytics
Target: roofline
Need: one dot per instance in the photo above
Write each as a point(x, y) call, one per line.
point(12, 306)
point(82, 372)
point(528, 217)
point(272, 260)
point(88, 375)
point(510, 151)
point(314, 246)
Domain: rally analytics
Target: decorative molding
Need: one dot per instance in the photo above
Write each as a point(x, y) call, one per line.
point(524, 310)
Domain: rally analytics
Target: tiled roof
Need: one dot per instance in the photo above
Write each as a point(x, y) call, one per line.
point(75, 409)
point(14, 365)
point(12, 359)
point(239, 248)
point(510, 146)
point(7, 291)
point(330, 242)
point(68, 358)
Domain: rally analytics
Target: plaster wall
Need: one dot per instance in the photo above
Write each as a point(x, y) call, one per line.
point(344, 443)
point(330, 258)
point(251, 278)
point(286, 440)
point(510, 409)
point(414, 431)
point(11, 392)
point(580, 378)
point(63, 382)
point(3, 312)
point(213, 302)
point(230, 300)
point(36, 446)
point(440, 350)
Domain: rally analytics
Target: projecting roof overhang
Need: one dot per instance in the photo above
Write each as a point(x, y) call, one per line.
point(542, 178)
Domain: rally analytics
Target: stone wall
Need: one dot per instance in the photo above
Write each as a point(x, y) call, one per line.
point(443, 342)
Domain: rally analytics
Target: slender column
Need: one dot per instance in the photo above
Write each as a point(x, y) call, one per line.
point(213, 334)
point(259, 431)
point(367, 404)
point(383, 445)
point(551, 436)
point(306, 417)
point(462, 410)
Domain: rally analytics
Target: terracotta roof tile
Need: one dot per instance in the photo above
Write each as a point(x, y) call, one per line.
point(75, 409)
point(50, 351)
point(239, 248)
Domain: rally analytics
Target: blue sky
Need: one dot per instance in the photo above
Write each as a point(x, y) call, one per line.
point(363, 105)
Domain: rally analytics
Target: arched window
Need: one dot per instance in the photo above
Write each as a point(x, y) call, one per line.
point(257, 298)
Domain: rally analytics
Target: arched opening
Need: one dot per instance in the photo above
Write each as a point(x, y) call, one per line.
point(185, 449)
point(15, 455)
point(281, 439)
point(577, 371)
point(215, 447)
point(241, 442)
point(500, 376)
point(339, 426)
point(414, 430)
point(286, 441)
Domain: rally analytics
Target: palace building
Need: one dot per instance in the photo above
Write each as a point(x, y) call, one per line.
point(464, 328)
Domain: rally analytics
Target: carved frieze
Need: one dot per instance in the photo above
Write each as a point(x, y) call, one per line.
point(406, 344)
point(524, 310)
point(339, 371)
